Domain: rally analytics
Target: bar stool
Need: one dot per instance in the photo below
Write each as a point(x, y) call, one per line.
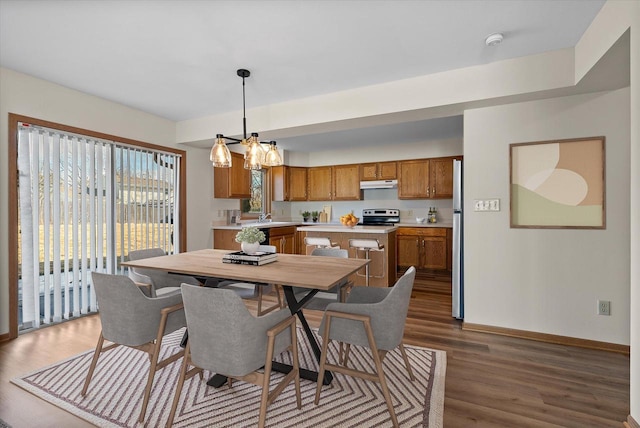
point(320, 242)
point(366, 245)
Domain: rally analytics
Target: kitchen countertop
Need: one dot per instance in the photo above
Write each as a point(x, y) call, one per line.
point(331, 227)
point(336, 227)
point(414, 224)
point(264, 225)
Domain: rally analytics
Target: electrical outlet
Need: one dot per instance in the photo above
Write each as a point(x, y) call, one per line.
point(410, 213)
point(604, 307)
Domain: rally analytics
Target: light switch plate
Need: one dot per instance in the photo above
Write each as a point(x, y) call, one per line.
point(486, 205)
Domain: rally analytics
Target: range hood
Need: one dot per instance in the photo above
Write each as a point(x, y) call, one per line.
point(379, 184)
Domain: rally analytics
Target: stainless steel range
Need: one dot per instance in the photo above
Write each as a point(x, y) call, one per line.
point(380, 217)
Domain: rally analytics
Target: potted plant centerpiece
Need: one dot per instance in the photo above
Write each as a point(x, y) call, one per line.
point(305, 216)
point(250, 238)
point(314, 216)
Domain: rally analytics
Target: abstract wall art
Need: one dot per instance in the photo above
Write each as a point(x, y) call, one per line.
point(558, 184)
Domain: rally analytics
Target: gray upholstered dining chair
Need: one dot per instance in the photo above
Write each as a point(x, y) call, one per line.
point(156, 281)
point(254, 291)
point(237, 345)
point(336, 294)
point(130, 318)
point(372, 317)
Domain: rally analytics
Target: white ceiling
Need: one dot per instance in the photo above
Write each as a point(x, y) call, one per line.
point(178, 59)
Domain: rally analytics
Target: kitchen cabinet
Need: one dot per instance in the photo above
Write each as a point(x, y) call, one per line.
point(297, 183)
point(441, 178)
point(233, 182)
point(334, 183)
point(346, 183)
point(283, 238)
point(319, 183)
point(379, 171)
point(426, 178)
point(225, 239)
point(288, 183)
point(425, 248)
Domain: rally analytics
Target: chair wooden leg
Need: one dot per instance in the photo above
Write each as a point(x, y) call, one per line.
point(380, 372)
point(347, 348)
point(323, 358)
point(406, 362)
point(281, 302)
point(94, 362)
point(183, 372)
point(264, 396)
point(153, 353)
point(296, 364)
point(259, 299)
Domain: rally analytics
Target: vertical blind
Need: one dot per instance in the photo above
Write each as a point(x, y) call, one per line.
point(84, 203)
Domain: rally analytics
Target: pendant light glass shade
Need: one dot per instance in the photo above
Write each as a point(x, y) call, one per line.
point(254, 156)
point(273, 157)
point(220, 155)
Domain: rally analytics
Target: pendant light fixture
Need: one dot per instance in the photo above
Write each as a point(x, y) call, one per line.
point(257, 154)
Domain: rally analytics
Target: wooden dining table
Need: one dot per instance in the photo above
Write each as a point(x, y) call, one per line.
point(289, 270)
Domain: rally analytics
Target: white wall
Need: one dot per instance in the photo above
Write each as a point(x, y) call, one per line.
point(25, 95)
point(547, 280)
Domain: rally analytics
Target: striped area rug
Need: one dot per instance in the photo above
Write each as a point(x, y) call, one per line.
point(115, 393)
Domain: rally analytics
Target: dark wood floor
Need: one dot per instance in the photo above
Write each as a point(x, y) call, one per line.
point(492, 381)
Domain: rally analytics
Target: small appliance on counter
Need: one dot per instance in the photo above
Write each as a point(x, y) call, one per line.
point(380, 217)
point(233, 217)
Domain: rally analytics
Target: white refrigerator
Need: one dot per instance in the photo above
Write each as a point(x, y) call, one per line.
point(457, 275)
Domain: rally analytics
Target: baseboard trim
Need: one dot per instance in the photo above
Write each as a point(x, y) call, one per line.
point(631, 423)
point(549, 338)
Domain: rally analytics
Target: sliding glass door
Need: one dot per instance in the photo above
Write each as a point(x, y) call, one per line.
point(83, 203)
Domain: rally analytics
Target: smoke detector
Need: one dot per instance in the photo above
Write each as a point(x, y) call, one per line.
point(494, 39)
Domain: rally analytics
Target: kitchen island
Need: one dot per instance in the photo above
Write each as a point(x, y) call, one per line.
point(382, 269)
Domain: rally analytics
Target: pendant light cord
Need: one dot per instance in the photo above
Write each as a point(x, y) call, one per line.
point(244, 116)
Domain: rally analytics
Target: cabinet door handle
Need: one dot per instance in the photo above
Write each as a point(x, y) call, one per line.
point(428, 191)
point(433, 192)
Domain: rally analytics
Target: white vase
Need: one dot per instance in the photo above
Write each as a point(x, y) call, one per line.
point(249, 247)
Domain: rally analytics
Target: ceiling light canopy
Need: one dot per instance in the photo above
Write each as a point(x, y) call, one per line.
point(494, 39)
point(257, 154)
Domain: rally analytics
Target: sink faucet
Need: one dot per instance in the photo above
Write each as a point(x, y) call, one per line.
point(263, 217)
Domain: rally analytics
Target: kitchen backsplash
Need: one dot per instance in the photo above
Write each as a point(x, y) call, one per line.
point(375, 198)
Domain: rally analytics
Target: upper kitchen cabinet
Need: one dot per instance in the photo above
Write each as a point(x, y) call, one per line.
point(426, 178)
point(288, 183)
point(379, 171)
point(319, 183)
point(441, 178)
point(413, 179)
point(233, 182)
point(297, 183)
point(346, 183)
point(334, 183)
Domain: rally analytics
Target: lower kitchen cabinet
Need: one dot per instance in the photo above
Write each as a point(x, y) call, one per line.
point(284, 239)
point(225, 239)
point(425, 248)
